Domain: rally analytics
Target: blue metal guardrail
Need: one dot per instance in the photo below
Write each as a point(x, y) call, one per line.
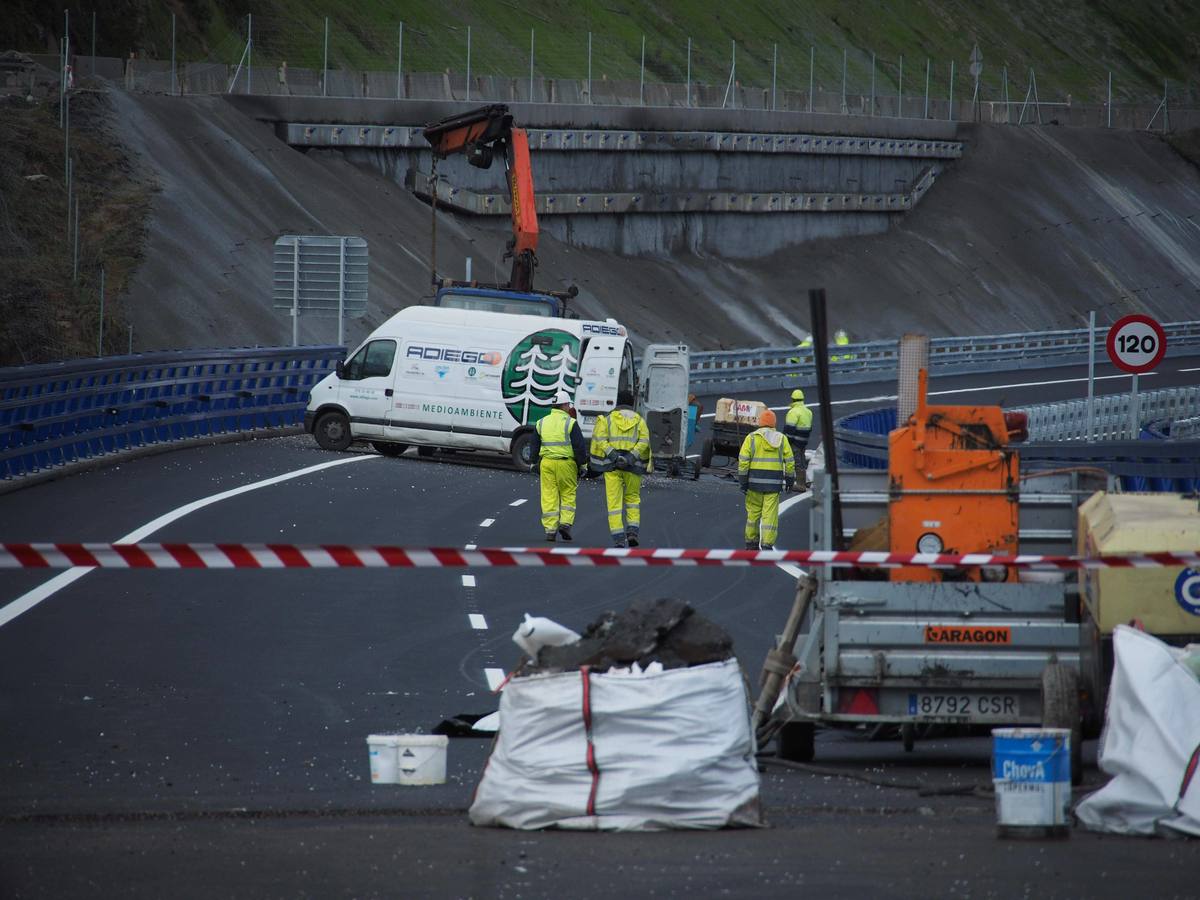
point(1148, 464)
point(60, 413)
point(773, 368)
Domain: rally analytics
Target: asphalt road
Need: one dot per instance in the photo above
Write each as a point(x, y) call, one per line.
point(203, 733)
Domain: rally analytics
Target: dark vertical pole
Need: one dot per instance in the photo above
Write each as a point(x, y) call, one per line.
point(820, 339)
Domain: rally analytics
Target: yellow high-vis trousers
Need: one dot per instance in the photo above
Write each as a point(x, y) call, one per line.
point(560, 478)
point(623, 491)
point(764, 508)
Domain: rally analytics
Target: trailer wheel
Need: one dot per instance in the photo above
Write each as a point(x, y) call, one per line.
point(908, 736)
point(332, 431)
point(1060, 709)
point(388, 448)
point(673, 468)
point(706, 453)
point(695, 469)
point(796, 741)
point(522, 450)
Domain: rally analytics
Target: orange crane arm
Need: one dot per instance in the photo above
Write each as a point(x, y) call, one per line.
point(480, 135)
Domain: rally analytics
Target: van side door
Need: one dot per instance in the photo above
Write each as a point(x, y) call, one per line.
point(366, 387)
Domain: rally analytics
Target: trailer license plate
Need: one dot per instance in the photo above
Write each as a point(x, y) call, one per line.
point(962, 705)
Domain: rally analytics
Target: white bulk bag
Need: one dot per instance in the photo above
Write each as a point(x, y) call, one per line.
point(669, 749)
point(1151, 737)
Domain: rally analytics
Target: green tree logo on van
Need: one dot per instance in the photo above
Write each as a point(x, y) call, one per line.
point(536, 369)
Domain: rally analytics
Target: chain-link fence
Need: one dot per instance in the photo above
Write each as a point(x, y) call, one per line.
point(307, 55)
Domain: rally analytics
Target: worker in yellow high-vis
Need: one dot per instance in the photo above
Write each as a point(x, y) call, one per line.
point(797, 428)
point(840, 339)
point(560, 451)
point(766, 467)
point(621, 450)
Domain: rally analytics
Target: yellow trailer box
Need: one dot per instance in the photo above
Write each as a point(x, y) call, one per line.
point(1165, 599)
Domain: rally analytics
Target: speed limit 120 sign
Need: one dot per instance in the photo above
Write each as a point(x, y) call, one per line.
point(1136, 344)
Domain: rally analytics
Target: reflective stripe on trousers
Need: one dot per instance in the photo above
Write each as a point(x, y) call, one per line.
point(560, 480)
point(623, 493)
point(762, 507)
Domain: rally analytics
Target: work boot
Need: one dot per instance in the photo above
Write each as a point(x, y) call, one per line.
point(633, 538)
point(751, 545)
point(551, 536)
point(564, 532)
point(619, 540)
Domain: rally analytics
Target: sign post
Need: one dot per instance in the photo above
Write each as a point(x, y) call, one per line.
point(1136, 344)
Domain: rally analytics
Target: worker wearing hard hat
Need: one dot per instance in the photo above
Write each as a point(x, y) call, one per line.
point(840, 339)
point(766, 467)
point(560, 452)
point(797, 427)
point(621, 450)
point(803, 349)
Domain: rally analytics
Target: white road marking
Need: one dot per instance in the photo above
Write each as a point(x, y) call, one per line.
point(478, 622)
point(468, 581)
point(790, 568)
point(495, 678)
point(984, 387)
point(487, 523)
point(29, 600)
point(1189, 370)
point(517, 502)
point(469, 547)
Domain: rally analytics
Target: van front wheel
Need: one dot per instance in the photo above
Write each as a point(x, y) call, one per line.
point(522, 451)
point(332, 431)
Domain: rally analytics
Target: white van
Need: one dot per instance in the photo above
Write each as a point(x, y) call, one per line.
point(470, 380)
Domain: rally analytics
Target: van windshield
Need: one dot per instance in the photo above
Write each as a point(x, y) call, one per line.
point(513, 305)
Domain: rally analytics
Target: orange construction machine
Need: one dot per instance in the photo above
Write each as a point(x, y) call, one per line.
point(953, 487)
point(482, 135)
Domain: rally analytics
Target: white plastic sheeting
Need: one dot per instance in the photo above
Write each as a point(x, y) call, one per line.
point(1151, 742)
point(668, 749)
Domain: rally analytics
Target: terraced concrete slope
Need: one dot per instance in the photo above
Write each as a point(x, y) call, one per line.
point(1033, 227)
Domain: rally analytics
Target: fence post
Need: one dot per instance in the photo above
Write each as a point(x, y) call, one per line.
point(1110, 98)
point(94, 40)
point(468, 63)
point(642, 83)
point(774, 73)
point(1091, 397)
point(100, 341)
point(530, 65)
point(1007, 104)
point(590, 67)
point(249, 50)
point(75, 263)
point(900, 90)
point(872, 83)
point(129, 352)
point(399, 60)
point(812, 61)
point(844, 81)
point(687, 86)
point(927, 87)
point(173, 82)
point(951, 113)
point(325, 66)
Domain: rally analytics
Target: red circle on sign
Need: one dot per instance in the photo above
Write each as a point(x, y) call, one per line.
point(1134, 361)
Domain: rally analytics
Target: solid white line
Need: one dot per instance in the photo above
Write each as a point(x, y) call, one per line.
point(982, 387)
point(495, 678)
point(468, 581)
point(1189, 370)
point(791, 569)
point(29, 600)
point(487, 523)
point(478, 622)
point(517, 502)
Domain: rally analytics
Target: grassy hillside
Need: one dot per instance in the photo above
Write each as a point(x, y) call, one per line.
point(1072, 44)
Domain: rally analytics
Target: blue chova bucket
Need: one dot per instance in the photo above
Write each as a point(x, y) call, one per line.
point(1031, 771)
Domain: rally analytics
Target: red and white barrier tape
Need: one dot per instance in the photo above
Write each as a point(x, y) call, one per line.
point(332, 556)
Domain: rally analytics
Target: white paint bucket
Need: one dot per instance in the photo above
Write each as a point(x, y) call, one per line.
point(382, 752)
point(1031, 770)
point(408, 758)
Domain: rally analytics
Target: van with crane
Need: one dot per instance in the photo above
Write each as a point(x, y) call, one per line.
point(468, 379)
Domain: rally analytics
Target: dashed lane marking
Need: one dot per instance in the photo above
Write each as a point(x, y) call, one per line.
point(469, 547)
point(468, 581)
point(487, 523)
point(478, 622)
point(29, 600)
point(517, 502)
point(495, 678)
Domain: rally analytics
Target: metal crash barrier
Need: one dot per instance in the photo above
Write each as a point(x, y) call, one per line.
point(56, 414)
point(1163, 458)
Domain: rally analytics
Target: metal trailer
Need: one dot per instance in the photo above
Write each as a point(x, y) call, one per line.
point(962, 652)
point(665, 405)
point(726, 437)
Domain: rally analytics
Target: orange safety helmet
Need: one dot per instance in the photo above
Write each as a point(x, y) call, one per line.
point(766, 419)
